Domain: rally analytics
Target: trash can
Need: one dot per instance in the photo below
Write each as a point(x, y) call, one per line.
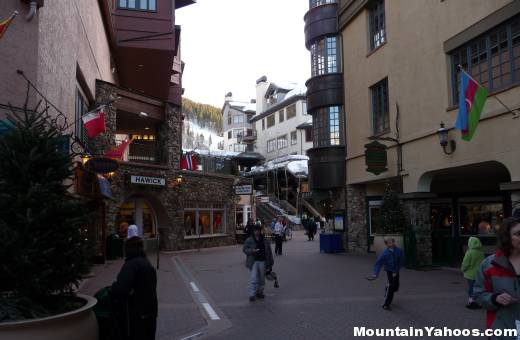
point(115, 247)
point(331, 243)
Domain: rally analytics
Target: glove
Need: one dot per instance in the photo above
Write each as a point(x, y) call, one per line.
point(371, 277)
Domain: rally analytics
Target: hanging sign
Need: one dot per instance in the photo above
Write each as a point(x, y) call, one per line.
point(102, 165)
point(145, 180)
point(375, 157)
point(244, 189)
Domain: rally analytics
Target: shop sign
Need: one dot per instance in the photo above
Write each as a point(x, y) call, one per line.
point(375, 157)
point(244, 189)
point(145, 180)
point(102, 165)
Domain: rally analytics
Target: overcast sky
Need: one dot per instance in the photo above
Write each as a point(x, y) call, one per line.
point(228, 44)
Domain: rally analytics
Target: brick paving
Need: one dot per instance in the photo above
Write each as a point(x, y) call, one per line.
point(321, 296)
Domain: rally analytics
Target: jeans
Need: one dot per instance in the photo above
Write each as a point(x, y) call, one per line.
point(391, 287)
point(257, 283)
point(471, 284)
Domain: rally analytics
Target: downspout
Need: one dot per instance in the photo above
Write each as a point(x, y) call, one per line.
point(32, 10)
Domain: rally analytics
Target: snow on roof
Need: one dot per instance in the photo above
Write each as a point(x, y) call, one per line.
point(237, 104)
point(298, 168)
point(299, 90)
point(285, 86)
point(250, 107)
point(214, 153)
point(296, 164)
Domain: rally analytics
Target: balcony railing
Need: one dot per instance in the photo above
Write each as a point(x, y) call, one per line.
point(248, 136)
point(149, 152)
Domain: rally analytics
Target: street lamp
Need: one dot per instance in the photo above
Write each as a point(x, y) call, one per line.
point(443, 140)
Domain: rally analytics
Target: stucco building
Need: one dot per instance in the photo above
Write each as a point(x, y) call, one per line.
point(126, 56)
point(401, 80)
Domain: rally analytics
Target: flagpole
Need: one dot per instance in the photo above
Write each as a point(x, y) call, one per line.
point(515, 113)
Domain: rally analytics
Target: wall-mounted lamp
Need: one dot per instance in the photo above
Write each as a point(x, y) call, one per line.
point(443, 140)
point(84, 158)
point(143, 114)
point(177, 182)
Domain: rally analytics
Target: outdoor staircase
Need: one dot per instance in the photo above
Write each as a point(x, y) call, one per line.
point(312, 209)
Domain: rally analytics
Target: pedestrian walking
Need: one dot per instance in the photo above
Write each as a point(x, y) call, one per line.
point(136, 289)
point(470, 265)
point(259, 259)
point(391, 259)
point(132, 230)
point(308, 228)
point(312, 230)
point(248, 230)
point(496, 286)
point(278, 237)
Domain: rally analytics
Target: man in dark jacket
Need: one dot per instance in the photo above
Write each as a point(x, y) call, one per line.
point(259, 260)
point(392, 260)
point(136, 290)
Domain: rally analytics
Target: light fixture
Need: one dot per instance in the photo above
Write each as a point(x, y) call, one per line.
point(178, 180)
point(85, 158)
point(443, 140)
point(143, 114)
point(146, 128)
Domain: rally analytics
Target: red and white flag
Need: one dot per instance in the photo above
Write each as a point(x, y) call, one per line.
point(189, 161)
point(94, 122)
point(119, 151)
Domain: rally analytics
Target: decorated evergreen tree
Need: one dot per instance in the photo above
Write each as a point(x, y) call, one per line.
point(391, 218)
point(43, 251)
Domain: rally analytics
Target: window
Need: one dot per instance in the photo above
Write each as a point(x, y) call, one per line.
point(380, 114)
point(238, 119)
point(480, 218)
point(377, 33)
point(229, 134)
point(324, 56)
point(204, 219)
point(270, 121)
point(327, 127)
point(237, 132)
point(492, 59)
point(316, 3)
point(263, 124)
point(294, 137)
point(142, 5)
point(282, 142)
point(81, 109)
point(229, 118)
point(308, 135)
point(291, 111)
point(271, 145)
point(281, 116)
point(239, 147)
point(230, 147)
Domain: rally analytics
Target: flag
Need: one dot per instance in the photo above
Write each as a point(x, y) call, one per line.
point(118, 151)
point(5, 23)
point(472, 98)
point(189, 161)
point(94, 122)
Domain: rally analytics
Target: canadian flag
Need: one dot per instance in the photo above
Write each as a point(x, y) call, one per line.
point(118, 151)
point(94, 122)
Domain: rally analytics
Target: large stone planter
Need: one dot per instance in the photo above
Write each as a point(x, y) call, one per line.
point(379, 244)
point(80, 324)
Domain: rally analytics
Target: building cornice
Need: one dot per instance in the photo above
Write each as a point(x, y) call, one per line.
point(349, 11)
point(277, 107)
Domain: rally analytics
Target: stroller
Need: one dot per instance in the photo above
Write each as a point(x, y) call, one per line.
point(271, 276)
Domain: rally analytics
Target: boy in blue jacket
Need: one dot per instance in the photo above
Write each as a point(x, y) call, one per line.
point(392, 261)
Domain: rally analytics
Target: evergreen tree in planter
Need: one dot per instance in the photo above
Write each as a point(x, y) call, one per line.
point(43, 251)
point(391, 218)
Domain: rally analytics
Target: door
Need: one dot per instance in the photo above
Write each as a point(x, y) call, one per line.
point(442, 234)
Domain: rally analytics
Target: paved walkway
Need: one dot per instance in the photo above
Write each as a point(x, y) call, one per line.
point(321, 296)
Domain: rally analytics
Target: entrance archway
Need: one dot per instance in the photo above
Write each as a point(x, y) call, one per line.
point(147, 212)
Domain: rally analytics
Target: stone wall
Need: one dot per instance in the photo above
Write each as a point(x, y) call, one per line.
point(418, 215)
point(357, 236)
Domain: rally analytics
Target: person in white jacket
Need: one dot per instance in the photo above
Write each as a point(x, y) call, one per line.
point(278, 237)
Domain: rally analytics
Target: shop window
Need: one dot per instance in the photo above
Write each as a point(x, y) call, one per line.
point(204, 219)
point(141, 213)
point(480, 218)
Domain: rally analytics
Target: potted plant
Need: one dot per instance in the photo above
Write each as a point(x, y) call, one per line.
point(391, 220)
point(44, 252)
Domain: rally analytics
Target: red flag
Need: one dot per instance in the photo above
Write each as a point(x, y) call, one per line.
point(5, 24)
point(118, 151)
point(189, 161)
point(94, 123)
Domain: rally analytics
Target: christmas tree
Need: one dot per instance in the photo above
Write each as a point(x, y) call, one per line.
point(391, 218)
point(44, 250)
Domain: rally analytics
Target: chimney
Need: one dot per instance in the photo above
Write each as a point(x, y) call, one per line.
point(229, 97)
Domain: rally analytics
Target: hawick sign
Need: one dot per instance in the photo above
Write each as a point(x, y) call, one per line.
point(145, 180)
